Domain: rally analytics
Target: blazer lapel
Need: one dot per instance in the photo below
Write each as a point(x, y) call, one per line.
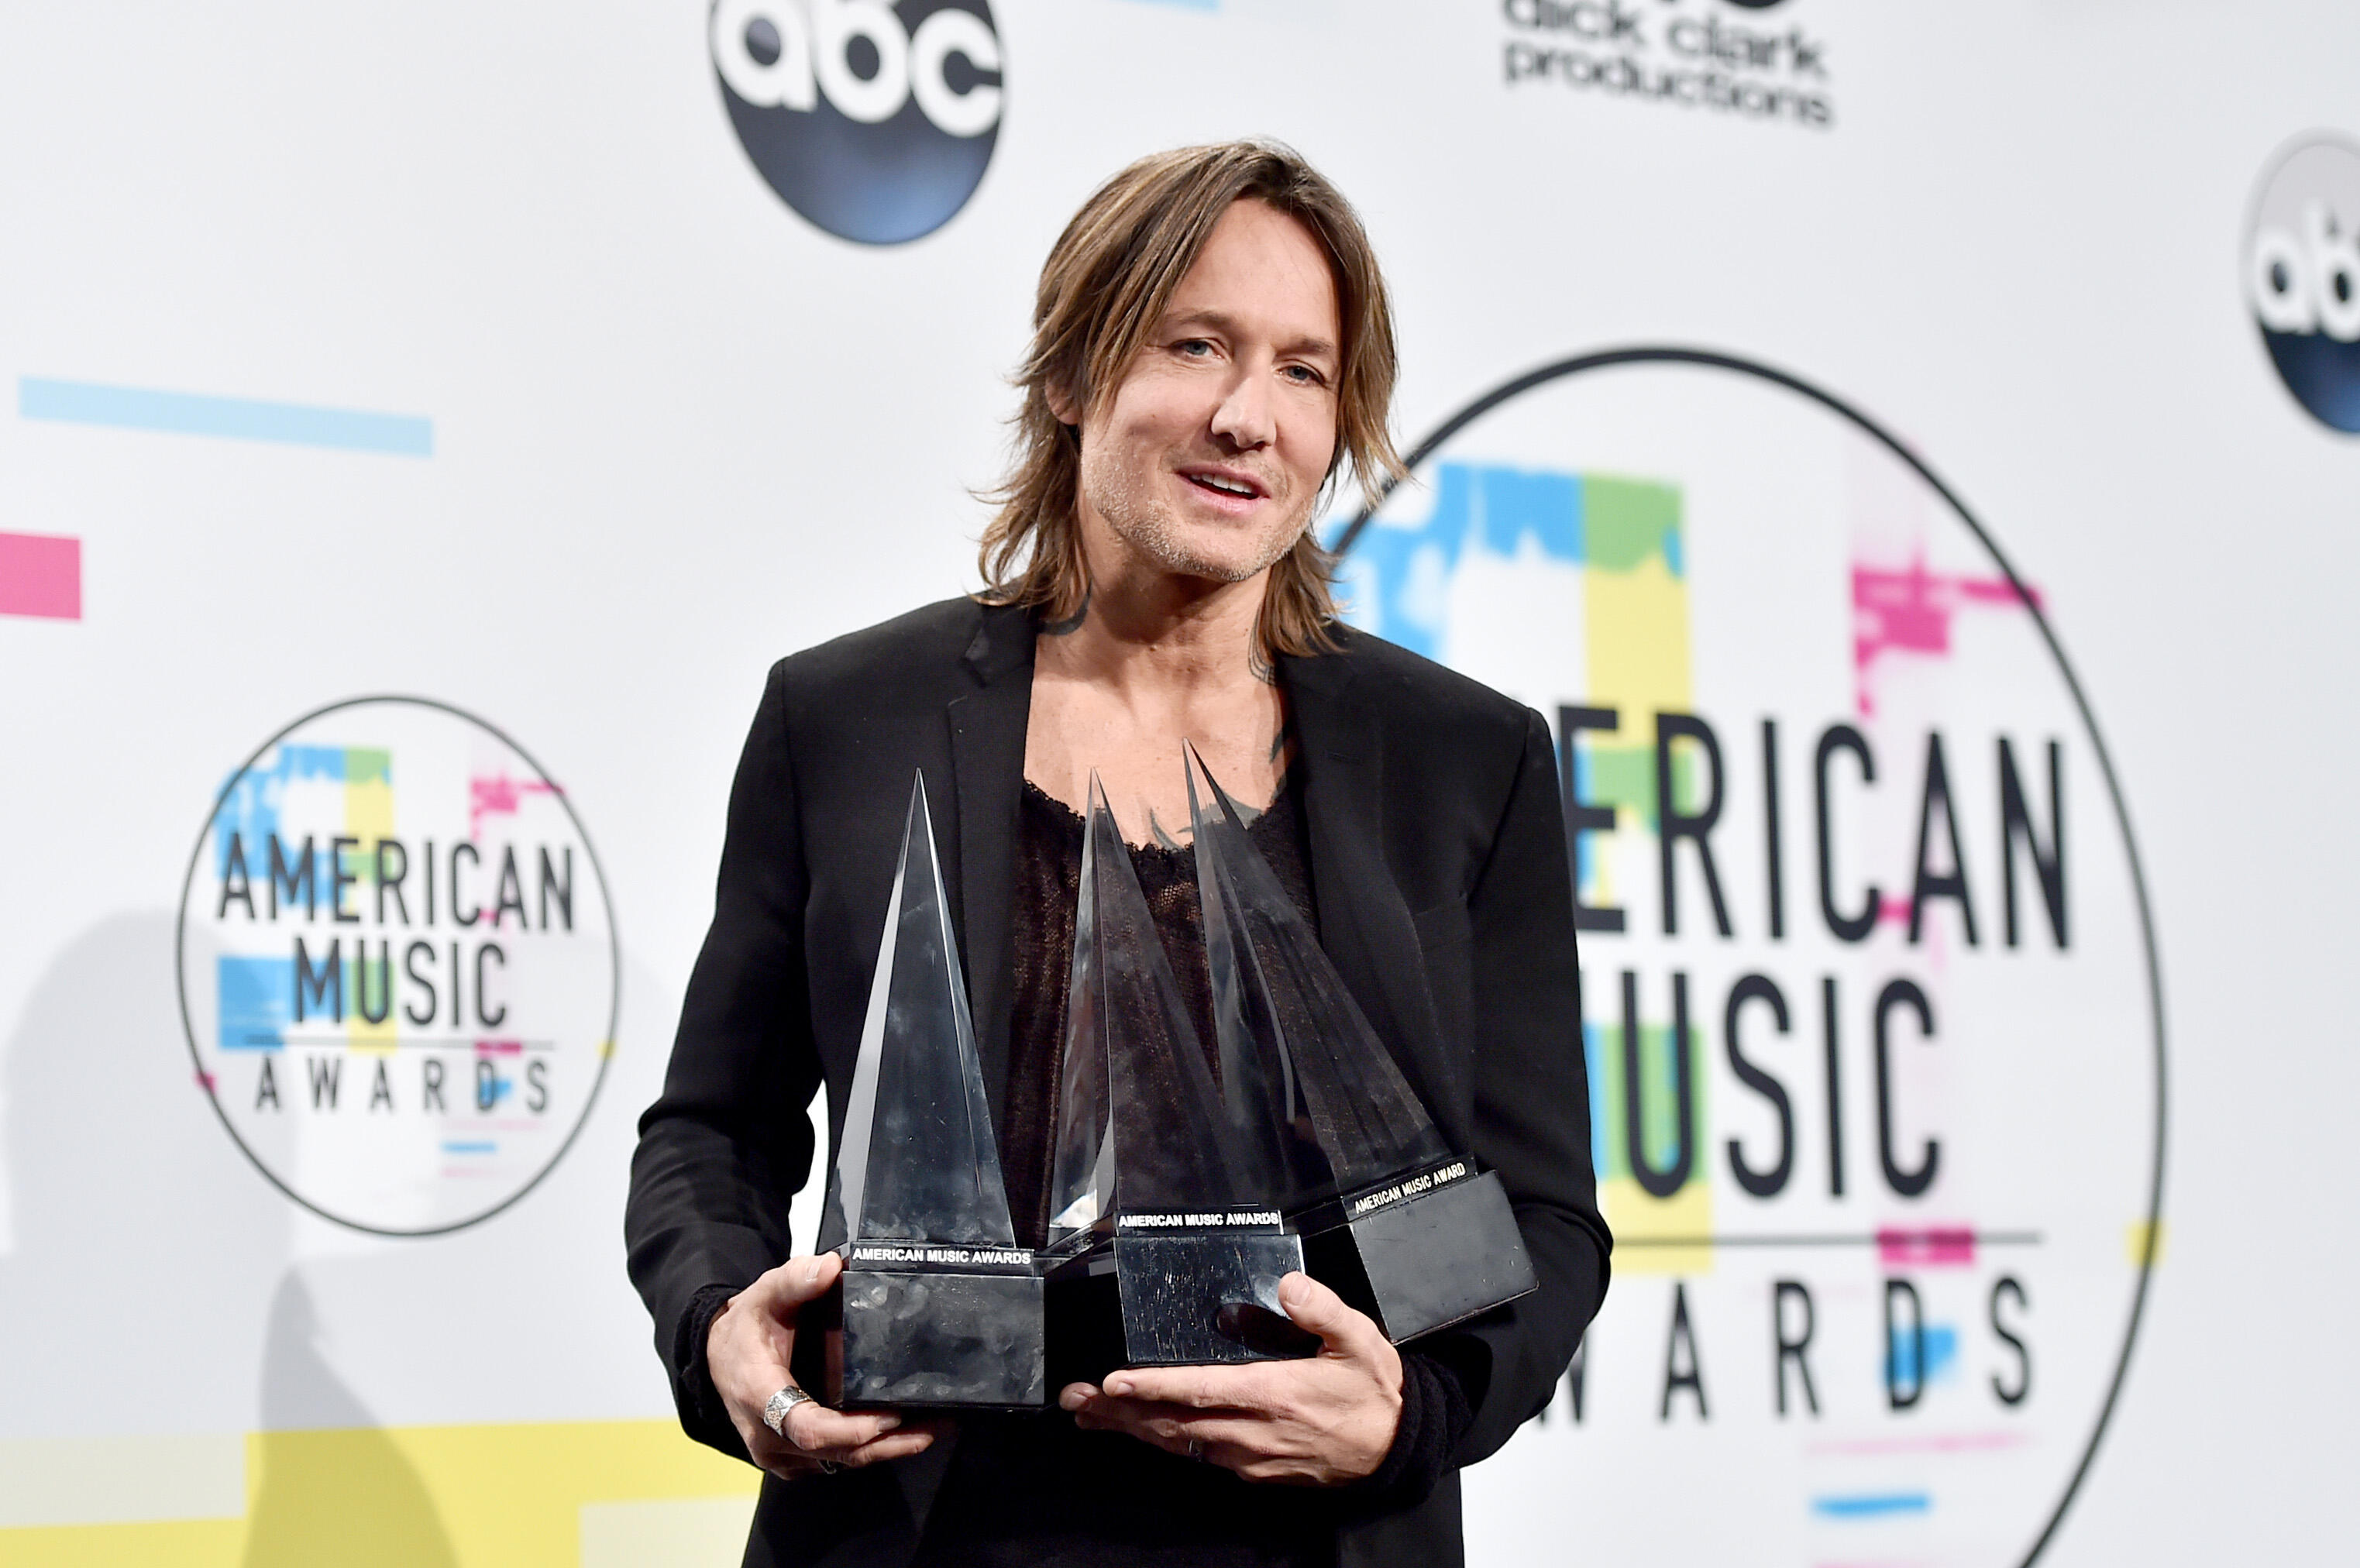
point(1364, 925)
point(987, 729)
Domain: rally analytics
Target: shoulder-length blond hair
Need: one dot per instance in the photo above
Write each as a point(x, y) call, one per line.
point(1108, 281)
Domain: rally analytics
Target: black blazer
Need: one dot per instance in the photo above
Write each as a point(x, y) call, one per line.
point(1438, 859)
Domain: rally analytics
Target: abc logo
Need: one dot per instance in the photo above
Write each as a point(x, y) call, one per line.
point(874, 121)
point(2302, 277)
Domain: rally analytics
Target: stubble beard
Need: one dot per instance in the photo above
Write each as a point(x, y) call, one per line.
point(1144, 521)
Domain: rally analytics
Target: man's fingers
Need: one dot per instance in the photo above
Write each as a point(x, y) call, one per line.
point(1319, 1310)
point(789, 1462)
point(897, 1445)
point(1168, 1427)
point(1197, 1387)
point(1228, 1438)
point(1249, 1448)
point(1230, 1441)
point(815, 1429)
point(1148, 1418)
point(1104, 1412)
point(795, 1281)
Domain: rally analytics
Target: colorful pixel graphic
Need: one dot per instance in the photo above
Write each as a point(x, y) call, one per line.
point(1624, 535)
point(1911, 610)
point(40, 576)
point(258, 994)
point(497, 794)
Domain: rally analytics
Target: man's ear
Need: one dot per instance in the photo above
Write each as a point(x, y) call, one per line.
point(1061, 403)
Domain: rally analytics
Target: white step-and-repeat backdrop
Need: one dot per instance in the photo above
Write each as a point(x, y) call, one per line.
point(1908, 452)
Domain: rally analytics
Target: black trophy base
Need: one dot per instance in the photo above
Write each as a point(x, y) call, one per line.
point(1426, 1259)
point(926, 1340)
point(1173, 1298)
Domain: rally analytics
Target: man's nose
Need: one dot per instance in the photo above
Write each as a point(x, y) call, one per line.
point(1245, 417)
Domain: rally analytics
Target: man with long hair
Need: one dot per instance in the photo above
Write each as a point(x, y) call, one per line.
point(1212, 347)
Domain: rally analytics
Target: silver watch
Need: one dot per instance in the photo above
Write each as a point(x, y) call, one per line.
point(774, 1413)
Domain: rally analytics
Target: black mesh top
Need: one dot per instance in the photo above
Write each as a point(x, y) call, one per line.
point(1035, 1489)
point(1048, 889)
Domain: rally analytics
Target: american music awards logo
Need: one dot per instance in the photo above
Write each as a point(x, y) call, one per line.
point(1870, 999)
point(397, 967)
point(874, 121)
point(2302, 275)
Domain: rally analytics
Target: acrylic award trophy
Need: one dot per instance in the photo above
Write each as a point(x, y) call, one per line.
point(937, 1305)
point(1166, 1234)
point(1401, 1227)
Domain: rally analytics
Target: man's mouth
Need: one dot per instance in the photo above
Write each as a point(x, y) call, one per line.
point(1225, 485)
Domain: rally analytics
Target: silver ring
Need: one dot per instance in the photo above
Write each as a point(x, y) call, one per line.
point(774, 1413)
point(1196, 1450)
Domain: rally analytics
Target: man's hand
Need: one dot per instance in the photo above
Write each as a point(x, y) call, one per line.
point(750, 1345)
point(1316, 1423)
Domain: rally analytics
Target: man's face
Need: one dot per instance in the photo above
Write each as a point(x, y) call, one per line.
point(1205, 459)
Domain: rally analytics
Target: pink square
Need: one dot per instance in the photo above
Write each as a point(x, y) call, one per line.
point(41, 574)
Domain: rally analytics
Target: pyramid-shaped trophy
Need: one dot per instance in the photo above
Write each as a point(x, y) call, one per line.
point(937, 1305)
point(1401, 1226)
point(1165, 1225)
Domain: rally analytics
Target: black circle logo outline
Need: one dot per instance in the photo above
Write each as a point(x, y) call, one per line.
point(792, 169)
point(2278, 160)
point(614, 952)
point(1666, 354)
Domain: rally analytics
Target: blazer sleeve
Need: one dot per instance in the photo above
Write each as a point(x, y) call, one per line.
point(727, 1143)
point(1532, 1110)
